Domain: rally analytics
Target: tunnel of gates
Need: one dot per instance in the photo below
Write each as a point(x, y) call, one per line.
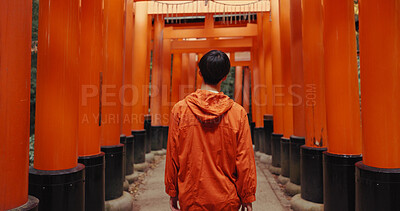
point(109, 72)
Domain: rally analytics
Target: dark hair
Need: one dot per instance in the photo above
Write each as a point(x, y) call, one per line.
point(214, 66)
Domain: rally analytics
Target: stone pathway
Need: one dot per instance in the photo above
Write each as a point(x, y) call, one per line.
point(151, 195)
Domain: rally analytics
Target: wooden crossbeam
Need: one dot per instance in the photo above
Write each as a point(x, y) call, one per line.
point(206, 44)
point(249, 31)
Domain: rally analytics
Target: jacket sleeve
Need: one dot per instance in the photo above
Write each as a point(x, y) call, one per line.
point(246, 182)
point(172, 163)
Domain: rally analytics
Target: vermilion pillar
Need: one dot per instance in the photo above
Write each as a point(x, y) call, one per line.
point(261, 89)
point(313, 68)
point(255, 99)
point(239, 84)
point(277, 88)
point(176, 78)
point(284, 18)
point(57, 103)
point(15, 64)
point(90, 72)
point(140, 78)
point(156, 84)
point(268, 117)
point(199, 79)
point(144, 100)
point(268, 60)
point(166, 90)
point(192, 72)
point(246, 97)
point(246, 89)
point(112, 79)
point(378, 175)
point(297, 93)
point(342, 105)
point(146, 89)
point(184, 88)
point(140, 65)
point(156, 76)
point(127, 91)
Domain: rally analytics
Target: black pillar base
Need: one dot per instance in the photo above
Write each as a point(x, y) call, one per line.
point(94, 181)
point(295, 143)
point(147, 127)
point(156, 138)
point(262, 139)
point(58, 190)
point(257, 139)
point(285, 157)
point(339, 181)
point(311, 174)
point(165, 136)
point(268, 128)
point(377, 188)
point(252, 126)
point(129, 154)
point(114, 175)
point(276, 149)
point(139, 146)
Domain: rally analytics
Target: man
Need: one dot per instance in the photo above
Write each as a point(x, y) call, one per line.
point(210, 159)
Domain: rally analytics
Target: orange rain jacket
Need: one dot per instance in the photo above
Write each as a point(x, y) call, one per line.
point(210, 158)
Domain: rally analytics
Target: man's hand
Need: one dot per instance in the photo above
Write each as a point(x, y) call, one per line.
point(247, 206)
point(173, 204)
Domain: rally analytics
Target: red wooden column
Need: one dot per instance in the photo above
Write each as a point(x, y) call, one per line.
point(184, 86)
point(192, 72)
point(166, 90)
point(112, 79)
point(176, 78)
point(277, 90)
point(342, 105)
point(239, 85)
point(297, 93)
point(262, 89)
point(256, 99)
point(267, 91)
point(146, 88)
point(199, 79)
point(156, 84)
point(57, 103)
point(268, 61)
point(15, 79)
point(246, 89)
point(140, 64)
point(378, 175)
point(90, 70)
point(140, 81)
point(246, 97)
point(313, 68)
point(145, 98)
point(127, 95)
point(284, 18)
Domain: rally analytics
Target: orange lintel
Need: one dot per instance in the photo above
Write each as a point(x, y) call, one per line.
point(249, 31)
point(211, 43)
point(205, 50)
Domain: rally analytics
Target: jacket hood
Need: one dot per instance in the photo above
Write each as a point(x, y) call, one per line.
point(209, 107)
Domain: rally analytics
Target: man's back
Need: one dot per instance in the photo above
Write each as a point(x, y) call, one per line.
point(210, 159)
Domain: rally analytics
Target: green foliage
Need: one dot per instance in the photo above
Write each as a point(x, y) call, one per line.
point(35, 19)
point(31, 149)
point(35, 23)
point(228, 86)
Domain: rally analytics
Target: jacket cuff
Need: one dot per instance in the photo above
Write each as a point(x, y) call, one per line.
point(249, 199)
point(171, 192)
